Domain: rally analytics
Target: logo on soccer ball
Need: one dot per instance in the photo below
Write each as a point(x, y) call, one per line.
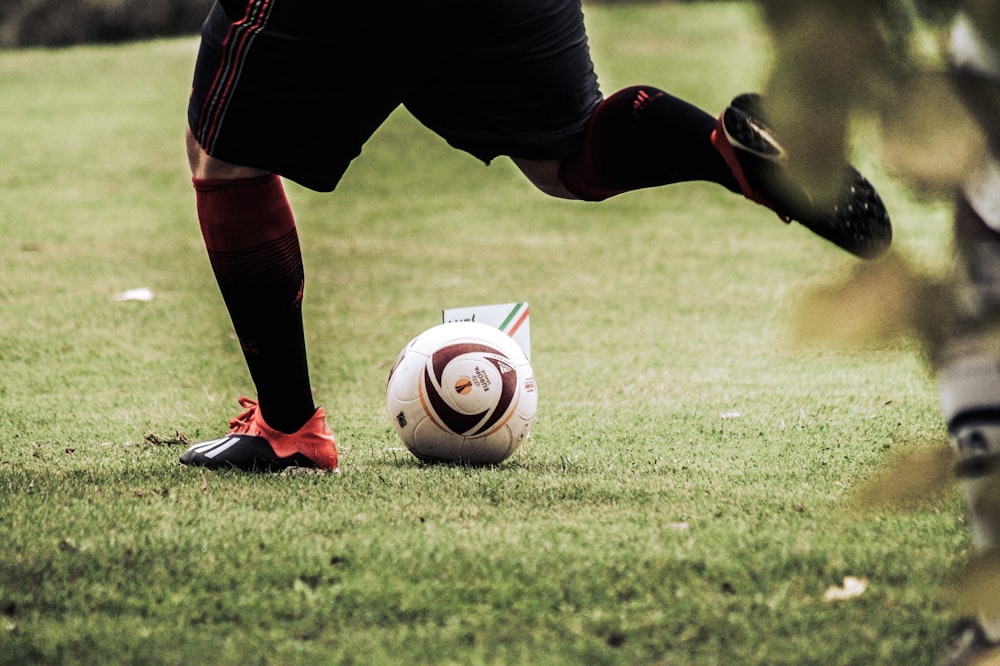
point(454, 419)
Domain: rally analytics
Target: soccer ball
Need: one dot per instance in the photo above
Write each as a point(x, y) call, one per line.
point(462, 392)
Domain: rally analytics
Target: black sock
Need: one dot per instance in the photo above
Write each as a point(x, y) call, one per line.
point(254, 250)
point(643, 137)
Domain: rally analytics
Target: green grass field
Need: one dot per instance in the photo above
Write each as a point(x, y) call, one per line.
point(681, 501)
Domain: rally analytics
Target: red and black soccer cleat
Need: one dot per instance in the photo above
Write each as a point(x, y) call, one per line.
point(251, 444)
point(854, 219)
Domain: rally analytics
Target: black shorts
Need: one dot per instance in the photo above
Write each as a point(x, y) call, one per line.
point(297, 87)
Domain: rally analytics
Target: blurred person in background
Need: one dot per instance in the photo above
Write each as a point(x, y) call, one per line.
point(940, 124)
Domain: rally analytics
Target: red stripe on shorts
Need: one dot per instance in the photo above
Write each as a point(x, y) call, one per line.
point(235, 48)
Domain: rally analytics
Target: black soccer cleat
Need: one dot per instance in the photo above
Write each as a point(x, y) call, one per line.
point(856, 219)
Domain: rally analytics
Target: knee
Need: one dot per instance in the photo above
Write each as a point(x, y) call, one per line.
point(544, 175)
point(204, 166)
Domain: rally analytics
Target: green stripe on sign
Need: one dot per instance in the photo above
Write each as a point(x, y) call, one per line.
point(510, 317)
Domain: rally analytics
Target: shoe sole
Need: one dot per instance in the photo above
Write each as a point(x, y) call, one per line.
point(244, 452)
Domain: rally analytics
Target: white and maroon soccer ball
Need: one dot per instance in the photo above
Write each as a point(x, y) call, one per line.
point(462, 392)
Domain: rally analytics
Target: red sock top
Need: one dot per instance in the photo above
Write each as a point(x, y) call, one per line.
point(243, 212)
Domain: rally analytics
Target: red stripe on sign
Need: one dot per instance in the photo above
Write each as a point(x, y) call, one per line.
point(523, 318)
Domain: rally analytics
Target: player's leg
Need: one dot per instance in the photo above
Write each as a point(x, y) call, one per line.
point(639, 137)
point(252, 243)
point(295, 89)
point(968, 374)
point(253, 246)
point(969, 363)
point(643, 137)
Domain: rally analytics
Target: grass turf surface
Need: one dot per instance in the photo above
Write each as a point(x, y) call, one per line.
point(682, 499)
